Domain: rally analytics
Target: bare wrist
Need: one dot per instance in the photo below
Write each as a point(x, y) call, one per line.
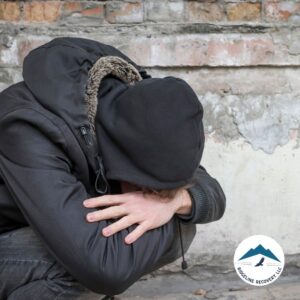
point(184, 206)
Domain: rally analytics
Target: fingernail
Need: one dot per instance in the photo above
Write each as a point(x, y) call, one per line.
point(85, 202)
point(106, 231)
point(128, 240)
point(90, 217)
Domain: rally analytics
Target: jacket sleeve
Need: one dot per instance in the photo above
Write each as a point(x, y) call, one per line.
point(208, 199)
point(38, 174)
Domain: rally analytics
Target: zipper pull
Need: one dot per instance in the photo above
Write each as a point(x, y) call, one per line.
point(101, 184)
point(86, 135)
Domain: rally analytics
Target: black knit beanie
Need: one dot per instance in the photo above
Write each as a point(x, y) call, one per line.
point(150, 133)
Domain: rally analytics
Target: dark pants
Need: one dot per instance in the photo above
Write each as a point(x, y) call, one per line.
point(28, 271)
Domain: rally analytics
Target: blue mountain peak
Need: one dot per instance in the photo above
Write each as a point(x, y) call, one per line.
point(259, 250)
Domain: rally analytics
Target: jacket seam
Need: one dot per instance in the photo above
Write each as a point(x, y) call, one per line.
point(14, 109)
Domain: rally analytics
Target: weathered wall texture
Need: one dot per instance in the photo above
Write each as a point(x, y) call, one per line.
point(243, 60)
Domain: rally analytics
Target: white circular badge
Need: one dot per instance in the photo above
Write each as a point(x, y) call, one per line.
point(258, 260)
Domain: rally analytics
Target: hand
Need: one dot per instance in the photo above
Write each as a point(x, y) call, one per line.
point(149, 211)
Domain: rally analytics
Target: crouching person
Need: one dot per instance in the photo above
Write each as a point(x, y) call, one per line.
point(100, 174)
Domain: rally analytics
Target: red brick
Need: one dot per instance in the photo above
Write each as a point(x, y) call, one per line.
point(96, 11)
point(252, 51)
point(10, 11)
point(204, 12)
point(243, 11)
point(195, 50)
point(280, 11)
point(26, 45)
point(124, 12)
point(71, 7)
point(85, 9)
point(164, 10)
point(45, 11)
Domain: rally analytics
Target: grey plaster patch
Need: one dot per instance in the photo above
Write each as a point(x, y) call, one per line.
point(264, 121)
point(218, 117)
point(9, 76)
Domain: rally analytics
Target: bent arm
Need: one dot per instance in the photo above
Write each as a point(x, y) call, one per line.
point(38, 174)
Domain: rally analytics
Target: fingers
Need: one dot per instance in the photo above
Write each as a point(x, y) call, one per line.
point(137, 233)
point(117, 226)
point(105, 214)
point(106, 200)
point(125, 206)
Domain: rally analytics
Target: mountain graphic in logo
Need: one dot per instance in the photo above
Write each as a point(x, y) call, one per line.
point(259, 250)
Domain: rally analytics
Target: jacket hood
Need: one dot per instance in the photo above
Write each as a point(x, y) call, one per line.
point(65, 73)
point(151, 134)
point(57, 73)
point(148, 132)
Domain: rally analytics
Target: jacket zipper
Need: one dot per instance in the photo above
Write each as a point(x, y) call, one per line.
point(86, 135)
point(101, 184)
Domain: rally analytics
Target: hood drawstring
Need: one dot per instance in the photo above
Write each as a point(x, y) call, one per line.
point(101, 184)
point(184, 264)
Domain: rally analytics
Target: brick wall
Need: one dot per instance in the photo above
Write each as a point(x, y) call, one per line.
point(137, 11)
point(241, 57)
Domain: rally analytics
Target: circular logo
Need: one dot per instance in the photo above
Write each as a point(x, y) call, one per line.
point(258, 260)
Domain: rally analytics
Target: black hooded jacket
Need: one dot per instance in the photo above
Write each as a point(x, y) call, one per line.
point(47, 170)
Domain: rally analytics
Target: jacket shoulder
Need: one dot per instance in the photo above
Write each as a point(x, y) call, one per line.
point(14, 97)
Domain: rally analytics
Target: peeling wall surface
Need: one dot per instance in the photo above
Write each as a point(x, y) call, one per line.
point(242, 58)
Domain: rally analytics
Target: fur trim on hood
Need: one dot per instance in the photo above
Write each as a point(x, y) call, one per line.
point(106, 65)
